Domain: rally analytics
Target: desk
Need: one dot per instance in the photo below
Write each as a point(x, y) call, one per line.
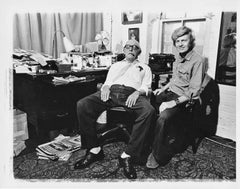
point(50, 106)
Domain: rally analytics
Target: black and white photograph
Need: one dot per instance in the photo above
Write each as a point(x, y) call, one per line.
point(139, 96)
point(133, 33)
point(226, 67)
point(132, 17)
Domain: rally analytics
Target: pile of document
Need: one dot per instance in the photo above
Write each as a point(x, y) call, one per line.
point(61, 148)
point(66, 80)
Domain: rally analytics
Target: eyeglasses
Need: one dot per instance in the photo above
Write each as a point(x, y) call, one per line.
point(134, 47)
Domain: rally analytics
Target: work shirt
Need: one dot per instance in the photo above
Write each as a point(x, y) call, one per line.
point(136, 75)
point(188, 74)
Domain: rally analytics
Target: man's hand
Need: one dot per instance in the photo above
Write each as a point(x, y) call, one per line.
point(105, 92)
point(165, 105)
point(132, 99)
point(157, 91)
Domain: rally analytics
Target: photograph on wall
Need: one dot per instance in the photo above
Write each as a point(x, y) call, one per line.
point(132, 17)
point(226, 60)
point(133, 33)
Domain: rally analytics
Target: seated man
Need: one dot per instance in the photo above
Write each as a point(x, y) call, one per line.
point(126, 85)
point(171, 132)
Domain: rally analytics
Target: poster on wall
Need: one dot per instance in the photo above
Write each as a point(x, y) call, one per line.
point(133, 33)
point(132, 17)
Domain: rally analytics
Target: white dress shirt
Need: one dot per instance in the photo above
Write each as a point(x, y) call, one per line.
point(136, 75)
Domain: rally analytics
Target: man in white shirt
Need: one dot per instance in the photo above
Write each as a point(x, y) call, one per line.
point(127, 84)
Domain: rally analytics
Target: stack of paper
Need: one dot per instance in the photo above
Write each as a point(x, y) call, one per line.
point(66, 80)
point(60, 148)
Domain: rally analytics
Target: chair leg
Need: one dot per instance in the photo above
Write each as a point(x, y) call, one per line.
point(107, 135)
point(125, 132)
point(195, 144)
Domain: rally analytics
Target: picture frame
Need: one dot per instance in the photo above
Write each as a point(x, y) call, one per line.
point(133, 33)
point(226, 58)
point(132, 17)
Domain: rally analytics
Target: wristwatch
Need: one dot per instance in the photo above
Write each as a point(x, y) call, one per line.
point(177, 101)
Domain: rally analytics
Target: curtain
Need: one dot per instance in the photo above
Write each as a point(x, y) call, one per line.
point(36, 31)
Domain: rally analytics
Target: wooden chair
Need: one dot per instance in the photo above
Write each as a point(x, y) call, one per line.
point(117, 127)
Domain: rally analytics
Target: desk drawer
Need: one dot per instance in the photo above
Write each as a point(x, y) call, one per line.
point(55, 120)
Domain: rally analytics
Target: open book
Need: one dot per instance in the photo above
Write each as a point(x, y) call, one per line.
point(60, 148)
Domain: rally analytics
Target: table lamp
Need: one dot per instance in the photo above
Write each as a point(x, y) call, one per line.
point(68, 45)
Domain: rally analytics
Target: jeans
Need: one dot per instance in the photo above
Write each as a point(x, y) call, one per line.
point(90, 107)
point(170, 131)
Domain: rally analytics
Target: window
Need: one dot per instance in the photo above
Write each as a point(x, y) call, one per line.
point(168, 26)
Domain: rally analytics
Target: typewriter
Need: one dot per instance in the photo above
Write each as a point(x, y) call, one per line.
point(161, 62)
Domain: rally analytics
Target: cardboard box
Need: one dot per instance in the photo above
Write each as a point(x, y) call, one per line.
point(18, 146)
point(20, 129)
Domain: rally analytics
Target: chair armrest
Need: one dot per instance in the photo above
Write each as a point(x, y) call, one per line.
point(99, 86)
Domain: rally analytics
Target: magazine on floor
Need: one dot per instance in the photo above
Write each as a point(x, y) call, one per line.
point(60, 148)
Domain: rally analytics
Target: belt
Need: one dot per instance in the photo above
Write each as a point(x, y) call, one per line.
point(121, 88)
point(120, 93)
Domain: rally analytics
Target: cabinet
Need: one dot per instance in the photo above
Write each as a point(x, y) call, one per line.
point(49, 106)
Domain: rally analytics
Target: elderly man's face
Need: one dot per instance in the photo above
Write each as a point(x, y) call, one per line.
point(131, 52)
point(183, 43)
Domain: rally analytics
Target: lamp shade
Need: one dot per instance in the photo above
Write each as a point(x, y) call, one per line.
point(68, 44)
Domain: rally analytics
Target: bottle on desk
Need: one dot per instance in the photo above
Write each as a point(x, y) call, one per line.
point(77, 61)
point(96, 61)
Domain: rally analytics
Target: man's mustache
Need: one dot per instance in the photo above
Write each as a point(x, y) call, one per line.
point(132, 54)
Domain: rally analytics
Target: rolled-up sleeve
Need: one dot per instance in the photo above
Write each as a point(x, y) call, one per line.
point(147, 80)
point(110, 76)
point(196, 79)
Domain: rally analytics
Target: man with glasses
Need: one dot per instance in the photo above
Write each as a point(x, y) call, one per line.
point(127, 84)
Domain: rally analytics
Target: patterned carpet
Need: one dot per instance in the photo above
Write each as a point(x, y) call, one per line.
point(213, 162)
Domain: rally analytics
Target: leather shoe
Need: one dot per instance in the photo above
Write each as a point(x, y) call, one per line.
point(128, 169)
point(151, 162)
point(89, 159)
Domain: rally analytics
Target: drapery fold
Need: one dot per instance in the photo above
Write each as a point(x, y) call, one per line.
point(35, 31)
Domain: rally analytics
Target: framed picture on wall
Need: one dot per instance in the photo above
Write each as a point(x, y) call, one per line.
point(226, 60)
point(132, 17)
point(133, 33)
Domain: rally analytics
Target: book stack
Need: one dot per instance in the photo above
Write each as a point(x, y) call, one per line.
point(61, 148)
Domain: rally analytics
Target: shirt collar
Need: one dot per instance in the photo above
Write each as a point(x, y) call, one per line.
point(187, 57)
point(136, 61)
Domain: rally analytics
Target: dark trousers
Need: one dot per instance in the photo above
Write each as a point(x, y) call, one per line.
point(169, 128)
point(90, 107)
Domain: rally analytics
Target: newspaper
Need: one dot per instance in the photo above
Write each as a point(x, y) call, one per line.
point(60, 148)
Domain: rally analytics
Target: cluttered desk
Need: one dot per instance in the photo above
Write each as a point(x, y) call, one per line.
point(49, 93)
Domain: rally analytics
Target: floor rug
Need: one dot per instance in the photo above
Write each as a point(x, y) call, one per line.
point(213, 162)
